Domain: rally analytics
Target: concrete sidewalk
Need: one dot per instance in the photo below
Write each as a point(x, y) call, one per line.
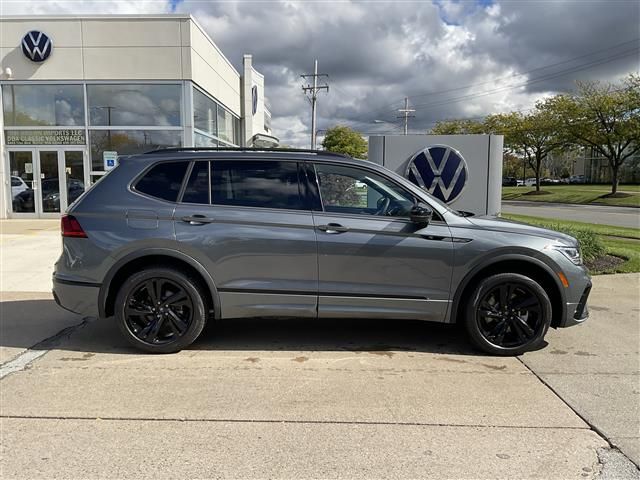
point(28, 250)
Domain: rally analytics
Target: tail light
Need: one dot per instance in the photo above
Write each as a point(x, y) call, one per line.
point(71, 227)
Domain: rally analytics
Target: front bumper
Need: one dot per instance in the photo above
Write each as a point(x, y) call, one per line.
point(77, 297)
point(577, 313)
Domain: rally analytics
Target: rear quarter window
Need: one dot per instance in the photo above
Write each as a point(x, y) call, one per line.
point(163, 181)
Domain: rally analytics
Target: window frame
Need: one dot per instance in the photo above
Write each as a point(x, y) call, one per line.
point(192, 164)
point(437, 217)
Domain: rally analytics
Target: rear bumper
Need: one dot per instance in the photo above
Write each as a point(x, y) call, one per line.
point(77, 297)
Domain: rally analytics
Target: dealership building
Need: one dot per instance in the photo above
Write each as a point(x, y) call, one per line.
point(76, 92)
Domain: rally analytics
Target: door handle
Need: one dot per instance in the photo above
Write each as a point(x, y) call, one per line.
point(197, 219)
point(333, 228)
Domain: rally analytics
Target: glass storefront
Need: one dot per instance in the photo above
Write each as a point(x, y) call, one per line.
point(134, 105)
point(37, 105)
point(214, 124)
point(128, 142)
point(56, 134)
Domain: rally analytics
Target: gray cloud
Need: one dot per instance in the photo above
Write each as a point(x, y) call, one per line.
point(376, 53)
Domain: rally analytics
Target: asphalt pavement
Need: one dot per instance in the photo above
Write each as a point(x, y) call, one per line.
point(602, 214)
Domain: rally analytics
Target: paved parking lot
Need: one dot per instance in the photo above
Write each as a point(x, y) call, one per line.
point(337, 399)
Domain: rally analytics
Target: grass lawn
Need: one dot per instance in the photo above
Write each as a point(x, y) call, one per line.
point(576, 194)
point(618, 241)
point(625, 248)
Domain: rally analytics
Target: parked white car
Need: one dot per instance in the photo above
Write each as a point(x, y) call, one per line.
point(18, 186)
point(530, 182)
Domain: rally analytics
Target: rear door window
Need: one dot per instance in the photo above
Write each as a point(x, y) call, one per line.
point(163, 180)
point(267, 184)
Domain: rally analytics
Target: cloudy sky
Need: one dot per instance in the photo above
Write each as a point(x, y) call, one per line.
point(453, 59)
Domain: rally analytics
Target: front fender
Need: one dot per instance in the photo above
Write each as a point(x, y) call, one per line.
point(532, 257)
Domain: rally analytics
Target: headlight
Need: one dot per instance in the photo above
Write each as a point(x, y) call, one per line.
point(572, 253)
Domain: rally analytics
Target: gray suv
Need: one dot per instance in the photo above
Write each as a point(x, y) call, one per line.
point(174, 238)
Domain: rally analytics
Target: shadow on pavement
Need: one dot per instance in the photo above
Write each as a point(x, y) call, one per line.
point(103, 336)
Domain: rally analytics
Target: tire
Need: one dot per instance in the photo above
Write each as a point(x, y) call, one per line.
point(165, 326)
point(510, 327)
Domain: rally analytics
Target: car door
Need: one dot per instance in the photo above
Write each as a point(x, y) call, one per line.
point(248, 222)
point(373, 261)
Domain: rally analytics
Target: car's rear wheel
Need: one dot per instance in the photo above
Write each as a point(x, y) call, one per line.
point(508, 314)
point(161, 310)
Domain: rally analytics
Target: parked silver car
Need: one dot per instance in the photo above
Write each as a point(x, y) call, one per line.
point(174, 238)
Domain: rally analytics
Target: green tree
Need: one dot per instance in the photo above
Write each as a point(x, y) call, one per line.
point(342, 139)
point(604, 117)
point(458, 127)
point(532, 136)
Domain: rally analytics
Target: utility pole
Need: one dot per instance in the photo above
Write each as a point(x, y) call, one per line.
point(406, 114)
point(313, 97)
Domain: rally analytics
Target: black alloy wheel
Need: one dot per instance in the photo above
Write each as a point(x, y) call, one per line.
point(161, 310)
point(158, 311)
point(509, 314)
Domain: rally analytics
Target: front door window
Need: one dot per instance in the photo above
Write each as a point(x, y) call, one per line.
point(355, 191)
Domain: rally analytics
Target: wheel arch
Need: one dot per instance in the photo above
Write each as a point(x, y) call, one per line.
point(513, 263)
point(134, 262)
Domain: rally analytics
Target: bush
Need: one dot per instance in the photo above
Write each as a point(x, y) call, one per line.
point(590, 242)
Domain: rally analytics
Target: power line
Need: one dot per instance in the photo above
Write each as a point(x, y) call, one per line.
point(613, 47)
point(406, 114)
point(314, 97)
point(535, 80)
point(529, 82)
point(635, 41)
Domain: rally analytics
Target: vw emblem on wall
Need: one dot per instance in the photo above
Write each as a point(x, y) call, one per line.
point(36, 46)
point(440, 170)
point(254, 99)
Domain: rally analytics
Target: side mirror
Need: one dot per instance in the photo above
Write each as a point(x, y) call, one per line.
point(421, 214)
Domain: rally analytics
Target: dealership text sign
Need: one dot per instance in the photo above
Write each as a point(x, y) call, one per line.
point(45, 137)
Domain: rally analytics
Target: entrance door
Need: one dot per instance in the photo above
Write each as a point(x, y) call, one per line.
point(45, 181)
point(22, 168)
point(48, 193)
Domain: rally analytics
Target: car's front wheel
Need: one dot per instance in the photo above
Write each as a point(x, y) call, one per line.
point(161, 310)
point(508, 314)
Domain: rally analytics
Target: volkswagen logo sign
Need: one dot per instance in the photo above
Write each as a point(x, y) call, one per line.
point(440, 170)
point(36, 46)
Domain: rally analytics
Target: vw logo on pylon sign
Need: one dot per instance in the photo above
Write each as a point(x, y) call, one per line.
point(36, 46)
point(440, 170)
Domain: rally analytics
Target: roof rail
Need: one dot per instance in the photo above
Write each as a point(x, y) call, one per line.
point(244, 149)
